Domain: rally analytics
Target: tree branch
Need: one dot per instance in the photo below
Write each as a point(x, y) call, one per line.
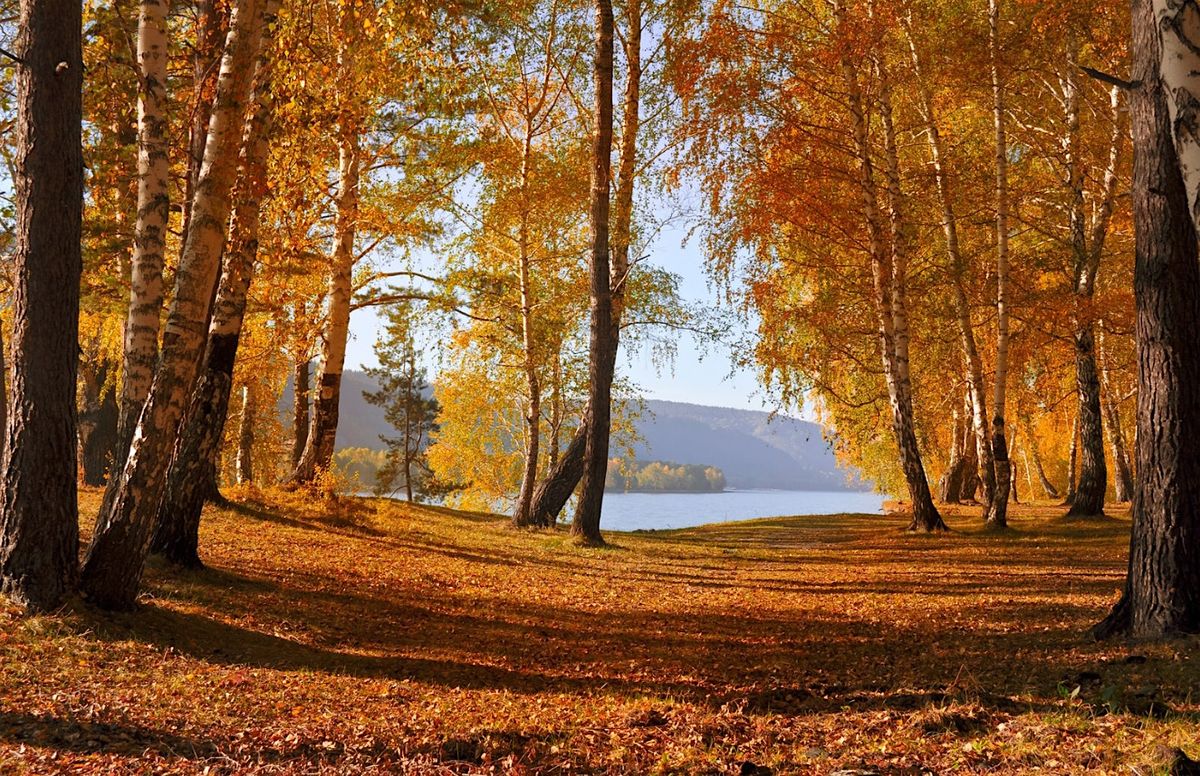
point(1109, 79)
point(12, 56)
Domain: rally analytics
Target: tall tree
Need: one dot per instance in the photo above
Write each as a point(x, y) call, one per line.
point(39, 519)
point(1090, 488)
point(564, 475)
point(997, 508)
point(113, 567)
point(191, 478)
point(402, 396)
point(153, 213)
point(957, 265)
point(1162, 589)
point(602, 350)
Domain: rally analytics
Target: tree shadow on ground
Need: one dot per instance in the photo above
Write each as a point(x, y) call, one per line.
point(77, 735)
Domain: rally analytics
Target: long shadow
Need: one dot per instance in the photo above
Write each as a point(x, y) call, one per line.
point(98, 737)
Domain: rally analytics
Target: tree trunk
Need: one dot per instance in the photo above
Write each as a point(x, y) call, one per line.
point(996, 515)
point(884, 273)
point(1123, 484)
point(555, 490)
point(211, 20)
point(522, 515)
point(1092, 483)
point(1162, 590)
point(951, 484)
point(1093, 476)
point(300, 397)
point(153, 215)
point(1073, 455)
point(113, 567)
point(970, 464)
point(603, 351)
point(97, 425)
point(245, 450)
point(39, 518)
point(322, 433)
point(958, 269)
point(566, 471)
point(1032, 446)
point(192, 477)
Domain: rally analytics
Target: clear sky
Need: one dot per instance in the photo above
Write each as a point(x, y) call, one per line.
point(698, 376)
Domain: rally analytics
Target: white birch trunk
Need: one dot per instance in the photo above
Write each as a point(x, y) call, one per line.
point(150, 232)
point(1178, 24)
point(113, 567)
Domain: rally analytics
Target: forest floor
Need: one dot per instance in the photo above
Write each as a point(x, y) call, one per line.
point(378, 637)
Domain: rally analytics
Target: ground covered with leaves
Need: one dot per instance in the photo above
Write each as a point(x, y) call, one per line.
point(378, 637)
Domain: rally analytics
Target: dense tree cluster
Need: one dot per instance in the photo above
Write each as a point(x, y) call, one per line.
point(964, 269)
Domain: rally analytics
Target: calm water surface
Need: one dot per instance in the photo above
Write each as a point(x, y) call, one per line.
point(634, 511)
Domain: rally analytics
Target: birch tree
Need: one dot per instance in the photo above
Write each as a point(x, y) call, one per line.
point(113, 566)
point(153, 216)
point(602, 350)
point(194, 460)
point(997, 507)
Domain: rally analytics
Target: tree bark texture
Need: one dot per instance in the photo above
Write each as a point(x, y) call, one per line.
point(113, 567)
point(925, 514)
point(1162, 589)
point(602, 359)
point(144, 313)
point(39, 518)
point(192, 477)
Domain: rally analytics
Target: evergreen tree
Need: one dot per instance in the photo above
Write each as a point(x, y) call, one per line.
point(407, 405)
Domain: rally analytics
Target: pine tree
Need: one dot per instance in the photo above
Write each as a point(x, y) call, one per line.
point(404, 396)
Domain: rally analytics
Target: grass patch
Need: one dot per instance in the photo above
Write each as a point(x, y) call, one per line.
point(388, 638)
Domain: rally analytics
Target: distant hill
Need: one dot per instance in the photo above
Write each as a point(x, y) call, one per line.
point(753, 450)
point(359, 423)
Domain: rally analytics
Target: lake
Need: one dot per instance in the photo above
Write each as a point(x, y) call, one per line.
point(634, 511)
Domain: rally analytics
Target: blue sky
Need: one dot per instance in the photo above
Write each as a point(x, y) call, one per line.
point(698, 376)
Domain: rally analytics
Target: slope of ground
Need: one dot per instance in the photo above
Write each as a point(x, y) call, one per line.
point(393, 639)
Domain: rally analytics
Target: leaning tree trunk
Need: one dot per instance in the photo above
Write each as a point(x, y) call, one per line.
point(997, 508)
point(1162, 590)
point(1031, 446)
point(925, 515)
point(212, 18)
point(39, 518)
point(602, 350)
point(113, 567)
point(192, 477)
point(150, 232)
point(958, 275)
point(322, 433)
